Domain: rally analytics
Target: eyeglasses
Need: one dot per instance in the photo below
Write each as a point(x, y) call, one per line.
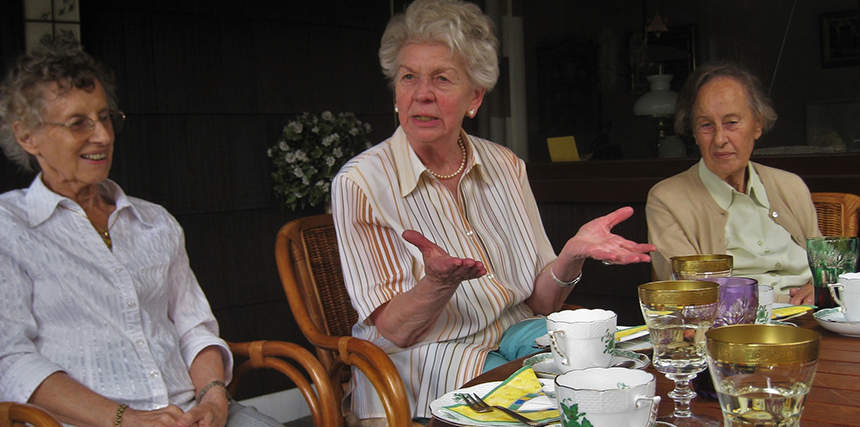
point(82, 127)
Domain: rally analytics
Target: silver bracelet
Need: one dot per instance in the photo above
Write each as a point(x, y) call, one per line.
point(566, 284)
point(206, 388)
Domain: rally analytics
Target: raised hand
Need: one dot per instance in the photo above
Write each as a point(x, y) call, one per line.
point(595, 240)
point(441, 268)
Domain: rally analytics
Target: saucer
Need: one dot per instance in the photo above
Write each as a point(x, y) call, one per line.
point(833, 320)
point(544, 366)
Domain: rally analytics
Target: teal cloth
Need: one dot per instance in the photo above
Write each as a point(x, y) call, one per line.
point(517, 341)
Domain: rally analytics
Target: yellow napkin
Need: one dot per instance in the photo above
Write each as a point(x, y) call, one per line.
point(791, 310)
point(512, 393)
point(629, 331)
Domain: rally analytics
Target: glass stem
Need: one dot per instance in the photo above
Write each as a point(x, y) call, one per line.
point(682, 394)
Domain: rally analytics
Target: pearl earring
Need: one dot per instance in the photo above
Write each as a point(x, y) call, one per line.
point(472, 113)
point(396, 109)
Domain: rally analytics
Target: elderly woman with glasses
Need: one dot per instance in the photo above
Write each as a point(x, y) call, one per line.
point(102, 321)
point(443, 250)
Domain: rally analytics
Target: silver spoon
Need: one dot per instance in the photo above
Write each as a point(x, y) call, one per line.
point(624, 364)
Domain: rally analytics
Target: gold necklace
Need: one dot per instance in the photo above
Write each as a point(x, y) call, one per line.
point(104, 234)
point(462, 163)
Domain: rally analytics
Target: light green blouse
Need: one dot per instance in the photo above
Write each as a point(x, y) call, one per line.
point(761, 248)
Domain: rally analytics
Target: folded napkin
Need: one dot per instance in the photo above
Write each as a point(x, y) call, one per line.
point(633, 332)
point(789, 310)
point(521, 392)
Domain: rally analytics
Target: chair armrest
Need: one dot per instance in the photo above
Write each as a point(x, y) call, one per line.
point(283, 357)
point(11, 413)
point(375, 364)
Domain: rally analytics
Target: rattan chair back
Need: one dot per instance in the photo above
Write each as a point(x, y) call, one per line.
point(837, 213)
point(309, 264)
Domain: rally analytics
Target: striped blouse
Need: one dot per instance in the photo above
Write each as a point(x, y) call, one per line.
point(385, 191)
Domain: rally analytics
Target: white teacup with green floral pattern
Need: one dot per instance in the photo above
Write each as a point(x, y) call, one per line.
point(607, 397)
point(581, 338)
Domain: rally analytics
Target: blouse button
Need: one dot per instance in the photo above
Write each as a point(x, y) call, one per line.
point(774, 214)
point(141, 342)
point(117, 270)
point(491, 276)
point(131, 304)
point(779, 265)
point(760, 243)
point(153, 374)
point(470, 233)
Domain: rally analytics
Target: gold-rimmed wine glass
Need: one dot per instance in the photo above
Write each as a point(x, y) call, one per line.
point(762, 373)
point(678, 314)
point(704, 266)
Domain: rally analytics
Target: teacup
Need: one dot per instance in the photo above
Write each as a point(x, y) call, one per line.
point(849, 295)
point(765, 304)
point(607, 397)
point(581, 338)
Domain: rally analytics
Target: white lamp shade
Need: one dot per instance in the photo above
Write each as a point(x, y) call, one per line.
point(660, 100)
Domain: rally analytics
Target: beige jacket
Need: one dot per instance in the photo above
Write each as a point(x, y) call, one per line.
point(684, 219)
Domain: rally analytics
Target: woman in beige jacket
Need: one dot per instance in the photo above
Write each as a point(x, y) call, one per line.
point(725, 203)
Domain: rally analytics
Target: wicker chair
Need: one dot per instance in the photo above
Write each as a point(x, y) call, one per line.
point(284, 358)
point(837, 213)
point(309, 265)
point(22, 414)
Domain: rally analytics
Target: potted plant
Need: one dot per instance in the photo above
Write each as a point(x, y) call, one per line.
point(310, 151)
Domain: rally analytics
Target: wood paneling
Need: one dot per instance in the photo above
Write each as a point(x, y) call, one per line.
point(208, 87)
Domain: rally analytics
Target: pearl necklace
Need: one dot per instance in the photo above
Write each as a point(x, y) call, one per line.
point(462, 163)
point(104, 234)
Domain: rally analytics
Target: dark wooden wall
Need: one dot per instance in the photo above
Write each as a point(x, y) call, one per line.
point(570, 194)
point(207, 87)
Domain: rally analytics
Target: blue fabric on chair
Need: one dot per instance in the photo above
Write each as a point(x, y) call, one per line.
point(517, 341)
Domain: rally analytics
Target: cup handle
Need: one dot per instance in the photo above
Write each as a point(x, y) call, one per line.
point(655, 406)
point(557, 347)
point(841, 287)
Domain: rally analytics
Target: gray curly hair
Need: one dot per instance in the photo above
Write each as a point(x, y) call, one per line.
point(757, 99)
point(21, 92)
point(459, 25)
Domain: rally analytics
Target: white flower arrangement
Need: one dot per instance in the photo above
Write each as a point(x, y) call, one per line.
point(309, 153)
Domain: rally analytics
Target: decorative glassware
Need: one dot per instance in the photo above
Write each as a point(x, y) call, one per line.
point(738, 300)
point(828, 258)
point(762, 372)
point(696, 267)
point(678, 314)
point(738, 305)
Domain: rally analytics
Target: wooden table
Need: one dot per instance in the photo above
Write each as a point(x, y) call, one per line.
point(834, 399)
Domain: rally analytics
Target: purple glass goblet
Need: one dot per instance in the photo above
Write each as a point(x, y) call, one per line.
point(737, 305)
point(738, 300)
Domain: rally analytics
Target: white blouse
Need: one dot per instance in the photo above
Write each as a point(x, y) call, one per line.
point(126, 323)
